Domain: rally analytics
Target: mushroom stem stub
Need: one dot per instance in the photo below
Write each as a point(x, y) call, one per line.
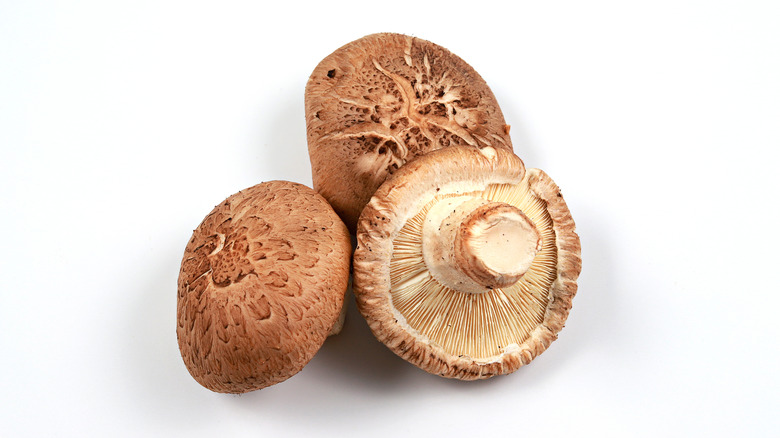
point(473, 245)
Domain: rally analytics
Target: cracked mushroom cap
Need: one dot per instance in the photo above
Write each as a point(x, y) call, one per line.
point(380, 101)
point(261, 285)
point(466, 263)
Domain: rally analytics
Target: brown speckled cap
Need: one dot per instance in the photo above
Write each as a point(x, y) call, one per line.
point(380, 101)
point(261, 285)
point(466, 263)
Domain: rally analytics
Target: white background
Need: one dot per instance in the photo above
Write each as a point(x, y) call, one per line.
point(123, 123)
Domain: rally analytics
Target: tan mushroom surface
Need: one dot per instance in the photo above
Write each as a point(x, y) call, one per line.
point(466, 263)
point(261, 286)
point(379, 101)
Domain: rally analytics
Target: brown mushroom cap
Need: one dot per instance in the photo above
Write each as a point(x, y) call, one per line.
point(466, 263)
point(380, 101)
point(261, 285)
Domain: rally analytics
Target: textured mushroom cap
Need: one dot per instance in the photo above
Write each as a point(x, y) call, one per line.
point(380, 101)
point(454, 333)
point(261, 285)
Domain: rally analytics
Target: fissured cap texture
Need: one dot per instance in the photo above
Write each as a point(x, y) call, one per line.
point(261, 285)
point(379, 101)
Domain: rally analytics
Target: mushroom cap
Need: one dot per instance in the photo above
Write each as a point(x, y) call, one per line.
point(261, 285)
point(428, 319)
point(379, 101)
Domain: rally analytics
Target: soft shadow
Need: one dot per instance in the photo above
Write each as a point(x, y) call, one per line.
point(350, 368)
point(596, 312)
point(359, 357)
point(354, 358)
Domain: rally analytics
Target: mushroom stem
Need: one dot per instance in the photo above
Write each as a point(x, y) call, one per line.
point(475, 245)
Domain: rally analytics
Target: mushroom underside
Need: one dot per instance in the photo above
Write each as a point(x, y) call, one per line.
point(461, 310)
point(484, 325)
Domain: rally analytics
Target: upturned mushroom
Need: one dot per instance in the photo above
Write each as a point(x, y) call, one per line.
point(261, 286)
point(466, 263)
point(379, 101)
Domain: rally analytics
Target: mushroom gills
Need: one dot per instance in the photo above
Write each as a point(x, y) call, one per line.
point(479, 322)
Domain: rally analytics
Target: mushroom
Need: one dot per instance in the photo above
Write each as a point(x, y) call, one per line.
point(261, 286)
point(466, 263)
point(380, 101)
